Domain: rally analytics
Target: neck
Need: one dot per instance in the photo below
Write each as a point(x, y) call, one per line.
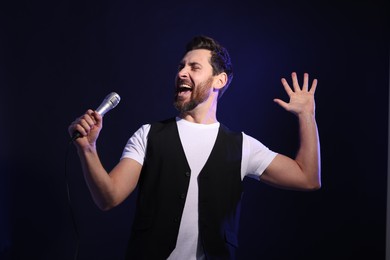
point(205, 113)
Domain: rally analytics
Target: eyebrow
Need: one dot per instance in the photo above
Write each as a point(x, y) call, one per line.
point(194, 63)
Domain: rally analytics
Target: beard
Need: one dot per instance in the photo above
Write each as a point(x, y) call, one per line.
point(199, 94)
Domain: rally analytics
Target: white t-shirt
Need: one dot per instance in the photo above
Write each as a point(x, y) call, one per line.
point(198, 141)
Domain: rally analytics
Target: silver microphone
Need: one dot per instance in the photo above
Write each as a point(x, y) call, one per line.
point(109, 102)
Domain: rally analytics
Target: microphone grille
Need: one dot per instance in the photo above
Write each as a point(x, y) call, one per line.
point(111, 101)
point(114, 98)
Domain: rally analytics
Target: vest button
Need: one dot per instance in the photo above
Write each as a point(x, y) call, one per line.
point(183, 196)
point(176, 219)
point(188, 174)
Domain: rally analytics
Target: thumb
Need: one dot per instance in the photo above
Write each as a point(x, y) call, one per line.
point(281, 103)
point(98, 119)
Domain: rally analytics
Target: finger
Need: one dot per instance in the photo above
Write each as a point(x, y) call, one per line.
point(92, 114)
point(295, 82)
point(313, 86)
point(72, 128)
point(281, 103)
point(85, 125)
point(89, 119)
point(287, 87)
point(97, 117)
point(305, 85)
point(80, 129)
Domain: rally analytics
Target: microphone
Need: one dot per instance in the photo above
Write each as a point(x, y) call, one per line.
point(109, 102)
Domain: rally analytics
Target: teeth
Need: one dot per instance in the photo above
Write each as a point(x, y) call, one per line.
point(185, 86)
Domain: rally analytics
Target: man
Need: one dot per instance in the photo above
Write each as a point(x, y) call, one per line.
point(189, 169)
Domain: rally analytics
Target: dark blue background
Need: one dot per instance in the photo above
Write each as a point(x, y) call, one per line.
point(59, 58)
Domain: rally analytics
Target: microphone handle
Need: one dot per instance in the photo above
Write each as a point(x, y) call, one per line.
point(75, 135)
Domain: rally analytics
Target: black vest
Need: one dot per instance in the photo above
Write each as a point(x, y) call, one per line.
point(162, 190)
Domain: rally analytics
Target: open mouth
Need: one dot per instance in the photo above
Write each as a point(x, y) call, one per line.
point(184, 88)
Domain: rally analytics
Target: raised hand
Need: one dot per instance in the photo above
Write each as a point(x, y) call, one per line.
point(301, 99)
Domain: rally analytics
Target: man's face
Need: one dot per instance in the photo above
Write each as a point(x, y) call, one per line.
point(193, 80)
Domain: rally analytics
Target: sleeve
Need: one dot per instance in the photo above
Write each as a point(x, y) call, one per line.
point(255, 157)
point(136, 146)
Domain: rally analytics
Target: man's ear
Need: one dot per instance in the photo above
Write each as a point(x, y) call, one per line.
point(220, 80)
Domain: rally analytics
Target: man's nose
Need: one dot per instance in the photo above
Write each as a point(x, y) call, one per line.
point(183, 72)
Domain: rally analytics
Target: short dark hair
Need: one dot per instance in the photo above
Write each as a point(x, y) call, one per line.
point(220, 58)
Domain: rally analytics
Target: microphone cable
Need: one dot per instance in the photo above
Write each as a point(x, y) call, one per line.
point(109, 102)
point(75, 228)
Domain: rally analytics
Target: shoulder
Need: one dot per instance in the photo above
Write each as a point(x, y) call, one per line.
point(226, 130)
point(159, 125)
point(228, 136)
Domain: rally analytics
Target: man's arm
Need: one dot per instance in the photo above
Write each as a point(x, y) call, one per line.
point(107, 190)
point(303, 172)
